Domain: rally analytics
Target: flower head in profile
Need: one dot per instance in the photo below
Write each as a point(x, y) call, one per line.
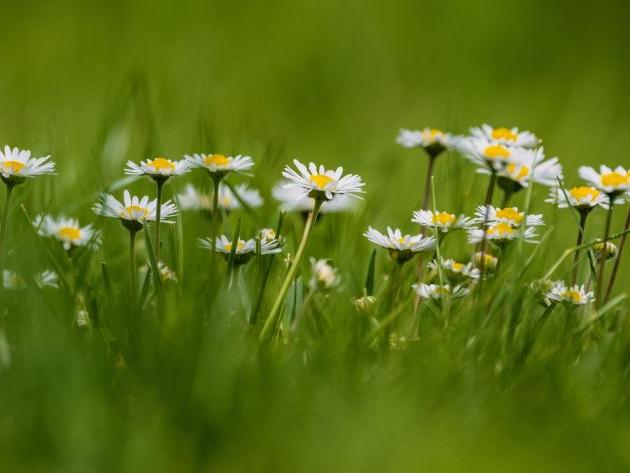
point(609, 181)
point(509, 215)
point(16, 165)
point(244, 250)
point(489, 155)
point(67, 231)
point(572, 295)
point(455, 270)
point(443, 221)
point(506, 136)
point(485, 260)
point(192, 198)
point(501, 233)
point(528, 166)
point(437, 291)
point(219, 164)
point(292, 199)
point(582, 198)
point(158, 168)
point(320, 183)
point(325, 276)
point(401, 247)
point(432, 140)
point(134, 211)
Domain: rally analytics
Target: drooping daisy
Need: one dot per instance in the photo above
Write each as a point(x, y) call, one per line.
point(437, 291)
point(293, 200)
point(245, 249)
point(401, 247)
point(67, 231)
point(488, 154)
point(16, 165)
point(582, 198)
point(506, 136)
point(456, 270)
point(322, 184)
point(134, 211)
point(501, 233)
point(527, 166)
point(325, 276)
point(574, 295)
point(509, 215)
point(159, 168)
point(432, 140)
point(444, 221)
point(611, 182)
point(220, 164)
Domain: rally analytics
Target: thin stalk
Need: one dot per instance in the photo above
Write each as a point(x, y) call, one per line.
point(158, 216)
point(613, 276)
point(5, 218)
point(487, 202)
point(580, 238)
point(132, 266)
point(216, 181)
point(600, 276)
point(270, 323)
point(427, 182)
point(507, 196)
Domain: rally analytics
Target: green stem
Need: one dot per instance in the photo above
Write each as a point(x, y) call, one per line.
point(613, 276)
point(132, 266)
point(580, 238)
point(487, 203)
point(158, 217)
point(600, 276)
point(427, 182)
point(5, 218)
point(270, 324)
point(507, 196)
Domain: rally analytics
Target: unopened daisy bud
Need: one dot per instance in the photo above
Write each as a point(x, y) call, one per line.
point(488, 261)
point(365, 304)
point(325, 276)
point(607, 251)
point(166, 273)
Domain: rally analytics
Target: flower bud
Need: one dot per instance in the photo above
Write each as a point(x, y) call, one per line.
point(365, 304)
point(607, 251)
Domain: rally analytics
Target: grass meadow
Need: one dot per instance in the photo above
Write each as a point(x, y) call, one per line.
point(91, 381)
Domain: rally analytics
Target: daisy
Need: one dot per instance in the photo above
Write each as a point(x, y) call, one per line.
point(325, 276)
point(436, 291)
point(501, 233)
point(322, 184)
point(47, 278)
point(582, 198)
point(485, 260)
point(245, 249)
point(456, 270)
point(17, 164)
point(401, 247)
point(432, 140)
point(527, 166)
point(611, 182)
point(219, 164)
point(510, 215)
point(443, 221)
point(193, 198)
point(575, 295)
point(489, 155)
point(12, 280)
point(292, 199)
point(506, 136)
point(133, 212)
point(67, 231)
point(159, 168)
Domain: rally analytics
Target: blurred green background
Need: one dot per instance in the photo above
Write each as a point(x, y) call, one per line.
point(97, 83)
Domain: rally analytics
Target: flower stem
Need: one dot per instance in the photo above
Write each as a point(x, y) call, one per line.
point(269, 327)
point(507, 196)
point(580, 238)
point(132, 266)
point(216, 181)
point(613, 276)
point(5, 219)
point(487, 202)
point(600, 276)
point(158, 217)
point(427, 182)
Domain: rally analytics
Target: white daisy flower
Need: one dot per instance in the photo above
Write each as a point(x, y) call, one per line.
point(506, 136)
point(508, 215)
point(67, 231)
point(485, 260)
point(245, 249)
point(526, 166)
point(220, 164)
point(193, 198)
point(432, 140)
point(488, 154)
point(12, 280)
point(575, 295)
point(611, 182)
point(134, 211)
point(322, 184)
point(293, 200)
point(160, 168)
point(325, 276)
point(501, 233)
point(47, 278)
point(228, 201)
point(579, 197)
point(456, 270)
point(437, 291)
point(444, 221)
point(401, 247)
point(17, 164)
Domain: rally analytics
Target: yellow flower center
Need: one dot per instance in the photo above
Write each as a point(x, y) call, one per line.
point(457, 267)
point(226, 201)
point(321, 180)
point(497, 152)
point(218, 160)
point(501, 229)
point(511, 214)
point(444, 218)
point(504, 134)
point(573, 296)
point(15, 166)
point(580, 193)
point(432, 134)
point(135, 211)
point(70, 233)
point(162, 164)
point(614, 179)
point(239, 246)
point(517, 172)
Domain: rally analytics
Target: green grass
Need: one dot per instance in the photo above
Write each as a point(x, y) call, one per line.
point(190, 388)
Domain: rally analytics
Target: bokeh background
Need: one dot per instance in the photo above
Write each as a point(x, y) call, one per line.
point(97, 83)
